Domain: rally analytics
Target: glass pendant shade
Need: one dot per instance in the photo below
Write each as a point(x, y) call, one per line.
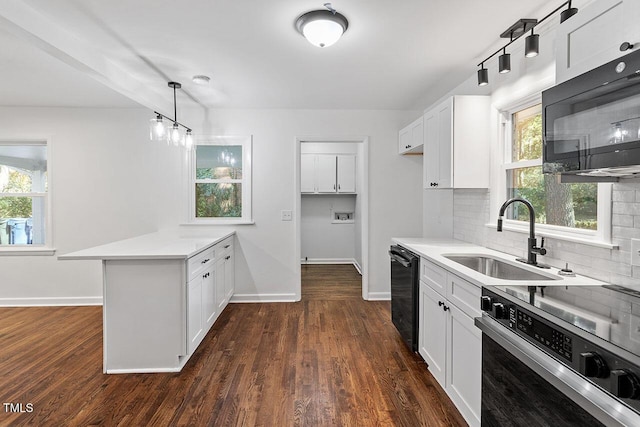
point(531, 45)
point(188, 140)
point(157, 130)
point(322, 28)
point(483, 77)
point(504, 63)
point(175, 136)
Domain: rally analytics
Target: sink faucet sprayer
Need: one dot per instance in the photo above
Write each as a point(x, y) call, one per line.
point(532, 249)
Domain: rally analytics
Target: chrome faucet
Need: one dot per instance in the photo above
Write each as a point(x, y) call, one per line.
point(532, 249)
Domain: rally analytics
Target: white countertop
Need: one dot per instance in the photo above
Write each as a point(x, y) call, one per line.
point(149, 246)
point(435, 249)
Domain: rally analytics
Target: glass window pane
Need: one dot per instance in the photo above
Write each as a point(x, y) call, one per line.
point(219, 162)
point(568, 205)
point(219, 200)
point(23, 168)
point(527, 134)
point(22, 220)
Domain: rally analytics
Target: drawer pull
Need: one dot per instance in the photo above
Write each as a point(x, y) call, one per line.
point(227, 257)
point(205, 261)
point(226, 246)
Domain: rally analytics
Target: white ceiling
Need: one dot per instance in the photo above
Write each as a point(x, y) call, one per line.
point(92, 52)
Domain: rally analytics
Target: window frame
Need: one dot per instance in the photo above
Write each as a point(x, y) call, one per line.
point(47, 247)
point(246, 181)
point(600, 237)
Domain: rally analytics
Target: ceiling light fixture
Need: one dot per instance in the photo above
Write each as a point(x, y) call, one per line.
point(532, 42)
point(483, 76)
point(201, 79)
point(322, 28)
point(158, 132)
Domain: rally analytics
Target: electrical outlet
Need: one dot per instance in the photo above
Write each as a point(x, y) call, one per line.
point(635, 252)
point(286, 215)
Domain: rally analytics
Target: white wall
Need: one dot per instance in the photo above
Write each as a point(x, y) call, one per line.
point(322, 239)
point(109, 182)
point(105, 180)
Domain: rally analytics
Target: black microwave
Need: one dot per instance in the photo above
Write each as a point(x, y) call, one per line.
point(592, 123)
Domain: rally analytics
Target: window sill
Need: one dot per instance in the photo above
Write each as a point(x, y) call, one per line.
point(230, 222)
point(26, 251)
point(555, 235)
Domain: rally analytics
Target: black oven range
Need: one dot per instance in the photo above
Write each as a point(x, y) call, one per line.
point(549, 358)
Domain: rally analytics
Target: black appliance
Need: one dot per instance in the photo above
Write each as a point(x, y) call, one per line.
point(548, 360)
point(592, 123)
point(404, 294)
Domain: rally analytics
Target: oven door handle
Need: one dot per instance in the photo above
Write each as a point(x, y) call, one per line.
point(399, 258)
point(589, 396)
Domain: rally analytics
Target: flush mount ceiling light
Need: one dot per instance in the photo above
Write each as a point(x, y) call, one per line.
point(201, 79)
point(322, 27)
point(532, 42)
point(174, 135)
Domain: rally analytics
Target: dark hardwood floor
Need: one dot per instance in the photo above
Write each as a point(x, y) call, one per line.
point(331, 359)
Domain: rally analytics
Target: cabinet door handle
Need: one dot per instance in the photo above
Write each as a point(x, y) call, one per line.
point(334, 186)
point(227, 257)
point(445, 308)
point(440, 303)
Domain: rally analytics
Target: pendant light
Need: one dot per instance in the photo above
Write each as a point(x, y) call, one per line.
point(173, 135)
point(322, 27)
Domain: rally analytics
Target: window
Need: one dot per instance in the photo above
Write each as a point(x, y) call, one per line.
point(578, 210)
point(221, 180)
point(23, 195)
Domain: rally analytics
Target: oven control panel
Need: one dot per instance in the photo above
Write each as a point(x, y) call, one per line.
point(604, 368)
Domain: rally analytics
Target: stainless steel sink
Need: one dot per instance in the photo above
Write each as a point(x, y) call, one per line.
point(494, 267)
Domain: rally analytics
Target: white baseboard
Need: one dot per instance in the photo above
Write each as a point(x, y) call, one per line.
point(379, 296)
point(51, 301)
point(263, 298)
point(328, 261)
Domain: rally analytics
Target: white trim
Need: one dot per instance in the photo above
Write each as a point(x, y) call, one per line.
point(50, 301)
point(322, 261)
point(27, 250)
point(379, 296)
point(573, 236)
point(244, 298)
point(363, 194)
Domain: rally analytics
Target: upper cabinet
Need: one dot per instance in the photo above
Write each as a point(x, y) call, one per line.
point(456, 143)
point(411, 138)
point(594, 35)
point(327, 173)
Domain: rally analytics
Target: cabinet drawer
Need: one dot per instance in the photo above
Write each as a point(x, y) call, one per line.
point(434, 276)
point(199, 262)
point(464, 295)
point(224, 248)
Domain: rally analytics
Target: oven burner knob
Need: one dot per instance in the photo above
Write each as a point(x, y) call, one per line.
point(593, 365)
point(498, 311)
point(485, 303)
point(624, 384)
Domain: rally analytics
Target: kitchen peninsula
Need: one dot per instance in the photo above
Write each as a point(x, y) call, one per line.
point(161, 294)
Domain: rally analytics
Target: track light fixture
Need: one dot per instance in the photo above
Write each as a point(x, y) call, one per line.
point(532, 42)
point(483, 76)
point(173, 135)
point(532, 45)
point(504, 62)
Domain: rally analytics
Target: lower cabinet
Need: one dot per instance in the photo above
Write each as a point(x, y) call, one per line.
point(449, 341)
point(195, 320)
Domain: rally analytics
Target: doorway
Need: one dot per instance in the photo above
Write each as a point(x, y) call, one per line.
point(332, 211)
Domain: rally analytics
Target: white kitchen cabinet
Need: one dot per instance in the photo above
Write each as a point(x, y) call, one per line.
point(411, 138)
point(225, 276)
point(195, 318)
point(327, 173)
point(457, 143)
point(448, 340)
point(594, 35)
